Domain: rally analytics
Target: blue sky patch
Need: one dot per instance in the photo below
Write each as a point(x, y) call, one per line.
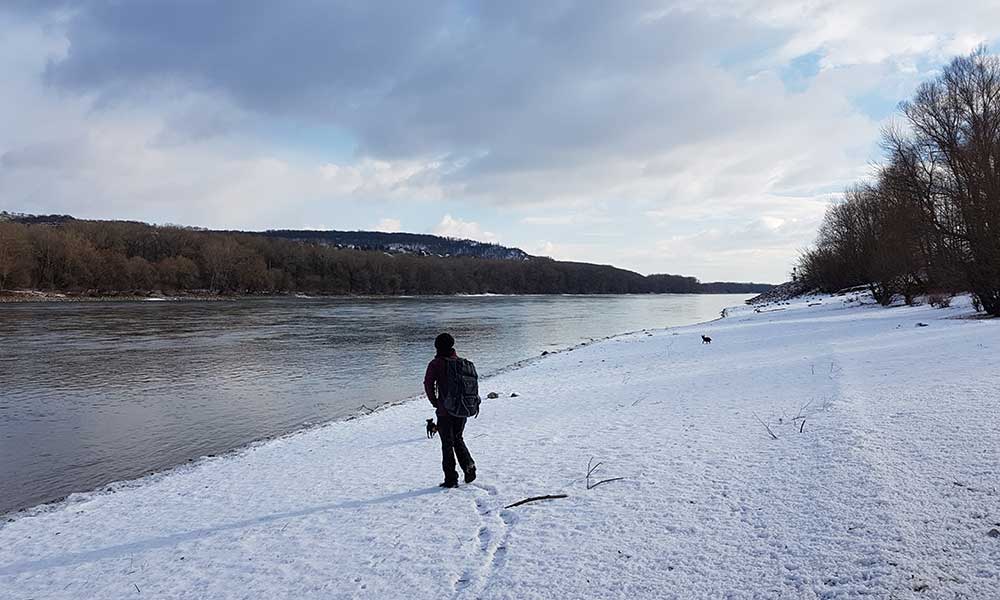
point(798, 73)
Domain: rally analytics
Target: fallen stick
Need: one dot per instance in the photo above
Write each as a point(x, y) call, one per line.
point(605, 481)
point(771, 433)
point(536, 499)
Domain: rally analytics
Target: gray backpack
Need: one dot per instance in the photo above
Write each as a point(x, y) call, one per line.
point(462, 396)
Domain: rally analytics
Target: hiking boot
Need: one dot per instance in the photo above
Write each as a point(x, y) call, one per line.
point(448, 484)
point(470, 474)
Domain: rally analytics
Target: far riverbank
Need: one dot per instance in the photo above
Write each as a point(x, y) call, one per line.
point(20, 297)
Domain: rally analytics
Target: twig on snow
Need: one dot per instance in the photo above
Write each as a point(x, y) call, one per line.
point(593, 469)
point(835, 369)
point(537, 499)
point(606, 481)
point(669, 346)
point(771, 433)
point(799, 415)
point(802, 426)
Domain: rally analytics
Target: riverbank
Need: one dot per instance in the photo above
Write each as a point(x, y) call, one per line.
point(94, 393)
point(25, 296)
point(882, 480)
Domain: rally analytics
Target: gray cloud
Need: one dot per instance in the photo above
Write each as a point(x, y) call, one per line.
point(503, 86)
point(67, 155)
point(37, 7)
point(314, 55)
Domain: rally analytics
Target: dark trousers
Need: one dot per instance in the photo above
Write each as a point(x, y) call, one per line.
point(450, 431)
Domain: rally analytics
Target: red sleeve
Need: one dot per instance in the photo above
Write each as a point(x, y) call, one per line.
point(429, 384)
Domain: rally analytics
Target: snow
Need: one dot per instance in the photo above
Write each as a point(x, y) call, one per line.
point(889, 491)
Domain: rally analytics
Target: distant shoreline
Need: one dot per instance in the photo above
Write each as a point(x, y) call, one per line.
point(33, 296)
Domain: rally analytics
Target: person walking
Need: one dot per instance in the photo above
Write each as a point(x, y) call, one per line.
point(450, 427)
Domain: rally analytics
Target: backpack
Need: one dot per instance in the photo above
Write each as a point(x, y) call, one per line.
point(462, 396)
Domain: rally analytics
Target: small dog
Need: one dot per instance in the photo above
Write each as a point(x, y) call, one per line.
point(432, 428)
point(706, 340)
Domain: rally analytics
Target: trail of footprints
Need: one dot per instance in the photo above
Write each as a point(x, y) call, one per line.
point(493, 534)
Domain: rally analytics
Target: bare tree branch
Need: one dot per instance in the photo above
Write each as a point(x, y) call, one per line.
point(771, 433)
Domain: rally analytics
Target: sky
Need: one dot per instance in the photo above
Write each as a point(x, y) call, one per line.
point(703, 138)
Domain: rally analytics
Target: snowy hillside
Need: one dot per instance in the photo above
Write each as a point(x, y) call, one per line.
point(420, 244)
point(883, 480)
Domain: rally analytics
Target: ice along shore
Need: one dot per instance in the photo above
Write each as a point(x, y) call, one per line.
point(883, 480)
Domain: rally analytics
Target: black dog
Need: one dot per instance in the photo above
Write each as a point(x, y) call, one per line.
point(706, 340)
point(432, 428)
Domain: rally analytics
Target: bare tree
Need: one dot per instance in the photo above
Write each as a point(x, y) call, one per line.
point(15, 255)
point(955, 120)
point(930, 220)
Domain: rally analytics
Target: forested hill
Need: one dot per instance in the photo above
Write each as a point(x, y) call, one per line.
point(63, 254)
point(402, 243)
point(393, 242)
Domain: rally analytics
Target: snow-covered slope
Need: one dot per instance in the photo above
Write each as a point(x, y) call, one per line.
point(890, 489)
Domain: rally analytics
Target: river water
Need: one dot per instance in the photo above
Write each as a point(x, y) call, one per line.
point(92, 393)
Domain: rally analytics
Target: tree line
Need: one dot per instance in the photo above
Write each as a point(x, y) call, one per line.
point(116, 257)
point(928, 221)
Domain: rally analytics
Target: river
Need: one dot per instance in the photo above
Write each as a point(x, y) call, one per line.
point(92, 393)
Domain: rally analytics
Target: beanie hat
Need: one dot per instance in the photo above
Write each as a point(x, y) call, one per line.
point(444, 343)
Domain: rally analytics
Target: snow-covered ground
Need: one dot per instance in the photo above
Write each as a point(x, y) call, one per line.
point(891, 488)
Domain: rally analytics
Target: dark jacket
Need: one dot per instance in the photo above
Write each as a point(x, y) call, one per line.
point(437, 375)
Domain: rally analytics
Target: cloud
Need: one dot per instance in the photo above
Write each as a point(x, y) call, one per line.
point(64, 155)
point(571, 251)
point(457, 228)
point(854, 32)
point(375, 178)
point(389, 225)
point(589, 215)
